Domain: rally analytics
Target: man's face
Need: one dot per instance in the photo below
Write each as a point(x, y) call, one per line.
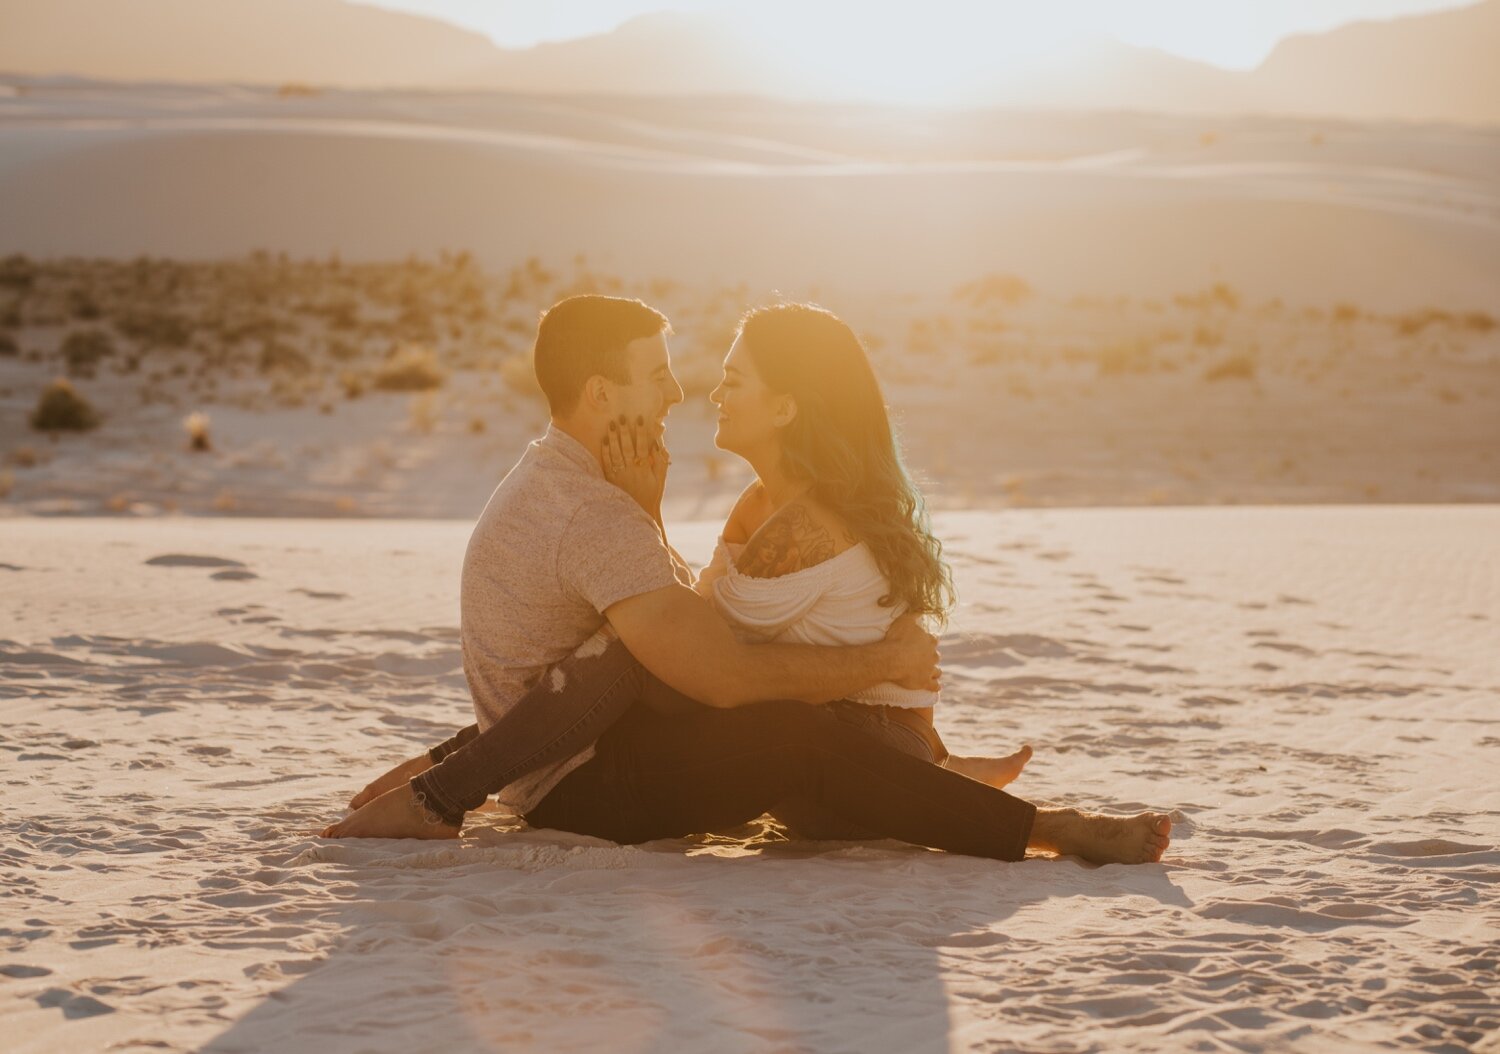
point(652, 390)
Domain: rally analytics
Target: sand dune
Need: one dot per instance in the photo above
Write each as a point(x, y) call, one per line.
point(1139, 205)
point(1311, 690)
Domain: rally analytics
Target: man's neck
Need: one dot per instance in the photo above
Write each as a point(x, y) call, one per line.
point(590, 438)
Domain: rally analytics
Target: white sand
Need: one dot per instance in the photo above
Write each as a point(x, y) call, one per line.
point(1313, 690)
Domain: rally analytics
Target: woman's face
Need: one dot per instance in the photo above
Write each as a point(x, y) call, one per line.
point(749, 412)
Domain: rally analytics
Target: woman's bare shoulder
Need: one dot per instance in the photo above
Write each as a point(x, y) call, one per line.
point(751, 510)
point(801, 534)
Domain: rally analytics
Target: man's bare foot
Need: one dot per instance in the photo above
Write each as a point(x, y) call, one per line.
point(394, 814)
point(398, 776)
point(997, 772)
point(1103, 839)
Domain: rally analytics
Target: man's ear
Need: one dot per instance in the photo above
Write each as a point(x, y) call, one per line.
point(786, 411)
point(596, 392)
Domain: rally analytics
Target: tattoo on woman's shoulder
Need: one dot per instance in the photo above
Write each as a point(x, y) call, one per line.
point(790, 541)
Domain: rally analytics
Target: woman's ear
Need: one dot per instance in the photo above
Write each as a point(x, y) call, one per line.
point(786, 411)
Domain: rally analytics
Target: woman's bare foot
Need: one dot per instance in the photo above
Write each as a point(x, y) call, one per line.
point(1103, 839)
point(398, 776)
point(394, 814)
point(997, 772)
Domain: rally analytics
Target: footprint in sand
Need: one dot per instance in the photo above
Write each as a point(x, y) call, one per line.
point(21, 970)
point(1285, 647)
point(1427, 847)
point(73, 1005)
point(189, 560)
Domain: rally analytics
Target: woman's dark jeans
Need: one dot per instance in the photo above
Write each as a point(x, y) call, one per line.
point(656, 776)
point(671, 767)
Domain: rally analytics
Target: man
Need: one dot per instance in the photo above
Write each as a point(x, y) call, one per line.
point(561, 562)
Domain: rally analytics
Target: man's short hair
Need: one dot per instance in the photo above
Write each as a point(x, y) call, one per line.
point(586, 335)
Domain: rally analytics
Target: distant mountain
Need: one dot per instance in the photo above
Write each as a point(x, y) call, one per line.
point(324, 42)
point(1426, 67)
point(1100, 73)
point(1443, 66)
point(657, 54)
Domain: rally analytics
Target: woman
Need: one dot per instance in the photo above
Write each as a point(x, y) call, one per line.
point(830, 544)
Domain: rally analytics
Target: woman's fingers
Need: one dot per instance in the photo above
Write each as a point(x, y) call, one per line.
point(626, 432)
point(616, 446)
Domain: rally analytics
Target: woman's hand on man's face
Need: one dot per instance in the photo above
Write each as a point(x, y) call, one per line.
point(636, 462)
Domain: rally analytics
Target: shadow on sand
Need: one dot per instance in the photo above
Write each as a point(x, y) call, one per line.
point(518, 938)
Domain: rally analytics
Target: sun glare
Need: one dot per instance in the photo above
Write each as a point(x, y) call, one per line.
point(943, 53)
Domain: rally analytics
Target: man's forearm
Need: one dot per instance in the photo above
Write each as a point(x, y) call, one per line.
point(807, 672)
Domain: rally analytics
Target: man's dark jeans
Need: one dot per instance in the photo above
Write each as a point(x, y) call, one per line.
point(670, 767)
point(570, 707)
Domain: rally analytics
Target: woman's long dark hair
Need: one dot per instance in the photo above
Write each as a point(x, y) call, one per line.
point(841, 443)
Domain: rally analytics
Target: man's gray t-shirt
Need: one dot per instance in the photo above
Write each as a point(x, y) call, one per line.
point(556, 545)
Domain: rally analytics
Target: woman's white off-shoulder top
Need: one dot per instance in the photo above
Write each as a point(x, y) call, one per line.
point(832, 603)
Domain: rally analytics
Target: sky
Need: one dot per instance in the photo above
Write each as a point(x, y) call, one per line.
point(1234, 34)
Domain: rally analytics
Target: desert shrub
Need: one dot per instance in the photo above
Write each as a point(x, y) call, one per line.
point(276, 357)
point(1479, 321)
point(251, 327)
point(519, 375)
point(342, 350)
point(521, 327)
point(296, 90)
point(415, 323)
point(81, 304)
point(1207, 337)
point(342, 313)
point(17, 272)
point(83, 349)
point(699, 372)
point(1413, 322)
point(1345, 313)
point(410, 370)
point(1220, 294)
point(62, 409)
point(1239, 367)
point(196, 427)
point(9, 349)
point(156, 328)
point(1130, 357)
point(1002, 288)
